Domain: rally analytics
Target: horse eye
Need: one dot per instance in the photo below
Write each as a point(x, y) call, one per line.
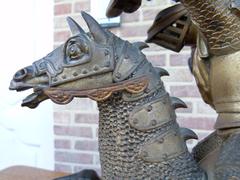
point(74, 52)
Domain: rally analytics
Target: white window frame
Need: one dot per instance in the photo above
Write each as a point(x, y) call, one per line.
point(98, 11)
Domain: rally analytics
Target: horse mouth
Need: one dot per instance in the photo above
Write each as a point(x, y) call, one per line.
point(32, 100)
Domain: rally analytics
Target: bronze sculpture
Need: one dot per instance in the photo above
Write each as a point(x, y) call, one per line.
point(138, 134)
point(211, 28)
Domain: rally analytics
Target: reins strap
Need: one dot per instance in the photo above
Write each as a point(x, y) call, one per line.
point(64, 96)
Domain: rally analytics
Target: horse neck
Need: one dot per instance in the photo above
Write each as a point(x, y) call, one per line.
point(121, 145)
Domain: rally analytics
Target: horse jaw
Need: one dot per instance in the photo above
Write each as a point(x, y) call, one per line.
point(24, 79)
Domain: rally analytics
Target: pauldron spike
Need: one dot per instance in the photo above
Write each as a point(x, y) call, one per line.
point(188, 134)
point(178, 103)
point(140, 45)
point(161, 71)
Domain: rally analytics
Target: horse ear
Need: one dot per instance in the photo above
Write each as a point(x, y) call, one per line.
point(97, 31)
point(75, 28)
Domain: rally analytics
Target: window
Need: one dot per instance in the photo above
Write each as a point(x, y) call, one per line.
point(98, 11)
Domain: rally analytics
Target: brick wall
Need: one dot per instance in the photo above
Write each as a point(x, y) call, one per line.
point(76, 124)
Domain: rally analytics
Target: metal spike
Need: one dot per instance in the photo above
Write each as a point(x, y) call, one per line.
point(74, 26)
point(96, 30)
point(140, 45)
point(187, 134)
point(161, 71)
point(177, 103)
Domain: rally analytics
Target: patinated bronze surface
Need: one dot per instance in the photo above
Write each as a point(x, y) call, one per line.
point(139, 137)
point(213, 34)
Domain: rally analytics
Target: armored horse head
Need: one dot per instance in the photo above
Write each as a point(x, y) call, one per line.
point(85, 62)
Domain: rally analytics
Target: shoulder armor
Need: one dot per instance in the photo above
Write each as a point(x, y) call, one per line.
point(163, 148)
point(152, 114)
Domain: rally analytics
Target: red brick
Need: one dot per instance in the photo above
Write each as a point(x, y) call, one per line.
point(97, 129)
point(73, 131)
point(79, 158)
point(157, 60)
point(60, 22)
point(154, 48)
point(62, 117)
point(62, 9)
point(204, 108)
point(179, 75)
point(133, 17)
point(61, 36)
point(86, 145)
point(179, 59)
point(97, 159)
point(63, 168)
point(184, 91)
point(86, 118)
point(82, 104)
point(62, 144)
point(81, 6)
point(203, 123)
point(134, 31)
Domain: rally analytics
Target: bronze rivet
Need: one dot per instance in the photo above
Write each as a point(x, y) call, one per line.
point(106, 53)
point(165, 156)
point(153, 122)
point(161, 140)
point(85, 71)
point(42, 65)
point(164, 101)
point(147, 90)
point(107, 64)
point(95, 68)
point(64, 76)
point(135, 121)
point(144, 154)
point(173, 178)
point(149, 108)
point(118, 75)
point(75, 74)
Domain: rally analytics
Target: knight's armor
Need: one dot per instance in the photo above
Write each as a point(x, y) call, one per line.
point(215, 62)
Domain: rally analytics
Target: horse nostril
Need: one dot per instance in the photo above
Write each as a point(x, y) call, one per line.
point(20, 74)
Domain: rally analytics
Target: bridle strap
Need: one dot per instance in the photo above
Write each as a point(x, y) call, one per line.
point(64, 96)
